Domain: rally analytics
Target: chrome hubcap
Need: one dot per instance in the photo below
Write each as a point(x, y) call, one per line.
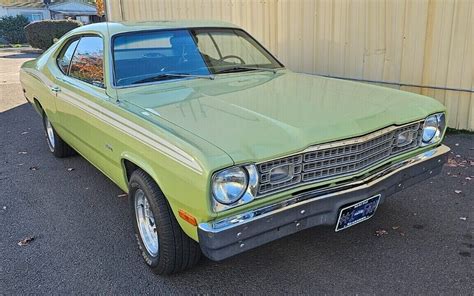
point(50, 134)
point(146, 223)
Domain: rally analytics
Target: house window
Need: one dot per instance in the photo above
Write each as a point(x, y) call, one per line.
point(83, 19)
point(32, 17)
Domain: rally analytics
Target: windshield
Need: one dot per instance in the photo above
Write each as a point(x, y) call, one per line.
point(141, 57)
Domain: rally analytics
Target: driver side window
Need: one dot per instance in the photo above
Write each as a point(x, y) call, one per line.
point(206, 46)
point(228, 46)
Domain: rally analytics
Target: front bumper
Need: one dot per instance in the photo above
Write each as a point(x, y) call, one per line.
point(230, 236)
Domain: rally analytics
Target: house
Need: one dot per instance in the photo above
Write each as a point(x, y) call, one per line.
point(33, 10)
point(78, 10)
point(36, 10)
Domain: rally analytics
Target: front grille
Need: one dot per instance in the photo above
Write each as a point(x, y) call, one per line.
point(338, 158)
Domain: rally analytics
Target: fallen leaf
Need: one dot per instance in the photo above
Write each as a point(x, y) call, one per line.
point(70, 169)
point(395, 227)
point(402, 233)
point(468, 178)
point(22, 152)
point(457, 191)
point(452, 162)
point(24, 133)
point(122, 195)
point(33, 168)
point(463, 218)
point(457, 144)
point(26, 241)
point(458, 156)
point(381, 232)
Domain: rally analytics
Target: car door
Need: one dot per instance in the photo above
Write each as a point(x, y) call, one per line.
point(82, 99)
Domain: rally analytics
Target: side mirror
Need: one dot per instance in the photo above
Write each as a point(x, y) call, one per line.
point(55, 40)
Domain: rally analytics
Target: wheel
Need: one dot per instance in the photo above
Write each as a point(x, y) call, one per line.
point(56, 145)
point(163, 244)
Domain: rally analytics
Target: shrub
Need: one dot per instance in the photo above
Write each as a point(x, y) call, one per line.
point(12, 28)
point(41, 34)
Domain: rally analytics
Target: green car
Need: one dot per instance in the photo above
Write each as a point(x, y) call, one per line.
point(221, 148)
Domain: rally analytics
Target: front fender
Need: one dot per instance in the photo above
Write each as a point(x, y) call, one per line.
point(178, 196)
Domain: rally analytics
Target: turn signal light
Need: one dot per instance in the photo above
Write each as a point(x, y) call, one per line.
point(187, 217)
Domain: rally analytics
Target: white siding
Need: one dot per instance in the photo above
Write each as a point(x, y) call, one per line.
point(416, 45)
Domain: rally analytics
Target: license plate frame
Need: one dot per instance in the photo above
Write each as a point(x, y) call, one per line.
point(358, 212)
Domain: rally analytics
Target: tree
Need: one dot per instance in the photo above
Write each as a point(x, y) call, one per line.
point(100, 6)
point(12, 28)
point(41, 34)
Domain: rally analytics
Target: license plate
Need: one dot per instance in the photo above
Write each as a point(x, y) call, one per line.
point(356, 213)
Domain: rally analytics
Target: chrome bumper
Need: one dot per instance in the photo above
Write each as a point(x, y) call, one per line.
point(230, 236)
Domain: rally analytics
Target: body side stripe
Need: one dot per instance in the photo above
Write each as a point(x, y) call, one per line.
point(132, 125)
point(123, 128)
point(125, 125)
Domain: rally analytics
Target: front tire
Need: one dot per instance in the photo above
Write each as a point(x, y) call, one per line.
point(164, 246)
point(56, 145)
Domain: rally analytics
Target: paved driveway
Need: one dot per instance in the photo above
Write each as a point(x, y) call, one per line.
point(83, 238)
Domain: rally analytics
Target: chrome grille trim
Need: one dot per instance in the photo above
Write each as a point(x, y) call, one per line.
point(340, 158)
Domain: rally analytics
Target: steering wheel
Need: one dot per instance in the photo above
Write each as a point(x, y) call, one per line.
point(232, 57)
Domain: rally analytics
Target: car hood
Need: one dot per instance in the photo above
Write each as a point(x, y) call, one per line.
point(255, 116)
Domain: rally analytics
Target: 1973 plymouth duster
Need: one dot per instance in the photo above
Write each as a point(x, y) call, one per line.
point(221, 148)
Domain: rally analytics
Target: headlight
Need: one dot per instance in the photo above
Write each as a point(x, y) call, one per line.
point(433, 128)
point(229, 185)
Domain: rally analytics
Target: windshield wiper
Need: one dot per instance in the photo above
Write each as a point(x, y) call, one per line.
point(165, 76)
point(240, 68)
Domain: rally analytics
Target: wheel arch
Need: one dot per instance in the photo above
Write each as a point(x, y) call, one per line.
point(38, 106)
point(131, 162)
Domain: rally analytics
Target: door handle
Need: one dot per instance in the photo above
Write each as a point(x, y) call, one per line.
point(55, 89)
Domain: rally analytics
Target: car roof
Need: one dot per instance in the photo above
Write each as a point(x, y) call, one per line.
point(112, 28)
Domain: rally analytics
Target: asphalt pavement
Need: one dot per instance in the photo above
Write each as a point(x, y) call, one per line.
point(83, 241)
